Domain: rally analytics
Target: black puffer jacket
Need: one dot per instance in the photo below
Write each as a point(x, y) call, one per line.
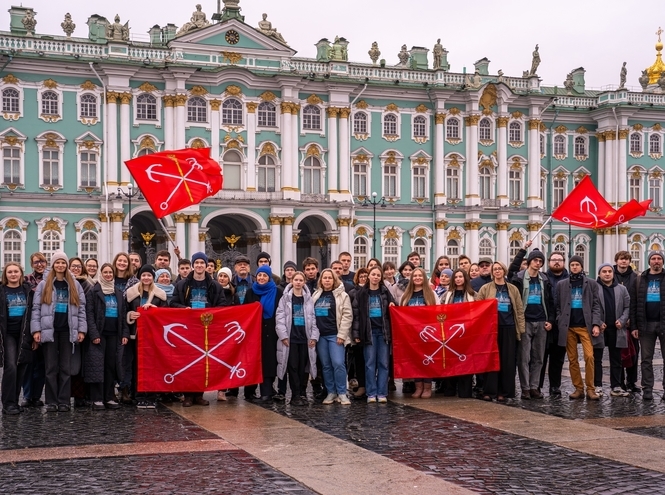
point(362, 327)
point(183, 293)
point(638, 301)
point(25, 347)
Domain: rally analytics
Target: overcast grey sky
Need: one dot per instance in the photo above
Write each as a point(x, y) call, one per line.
point(596, 34)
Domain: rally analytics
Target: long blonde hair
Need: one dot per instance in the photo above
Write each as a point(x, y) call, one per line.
point(428, 294)
point(47, 292)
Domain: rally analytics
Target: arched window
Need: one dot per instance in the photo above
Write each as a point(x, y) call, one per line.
point(515, 185)
point(560, 247)
point(636, 142)
point(89, 169)
point(391, 251)
point(485, 130)
point(635, 185)
point(515, 132)
point(232, 167)
point(10, 100)
point(485, 248)
point(88, 106)
point(390, 180)
point(11, 165)
point(390, 125)
point(419, 182)
point(11, 247)
point(312, 176)
point(655, 190)
point(89, 242)
point(558, 190)
point(146, 107)
point(267, 115)
point(360, 123)
point(360, 179)
point(311, 118)
point(559, 145)
point(636, 255)
point(359, 252)
point(581, 251)
point(147, 151)
point(452, 129)
point(232, 112)
point(420, 126)
point(197, 110)
point(50, 244)
point(485, 178)
point(452, 182)
point(420, 247)
point(452, 251)
point(515, 246)
point(266, 171)
point(654, 144)
point(49, 103)
point(580, 146)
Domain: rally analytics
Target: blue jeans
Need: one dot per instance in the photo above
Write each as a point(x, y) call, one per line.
point(332, 356)
point(376, 366)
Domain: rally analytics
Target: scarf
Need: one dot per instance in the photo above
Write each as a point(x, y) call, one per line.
point(167, 288)
point(108, 287)
point(267, 292)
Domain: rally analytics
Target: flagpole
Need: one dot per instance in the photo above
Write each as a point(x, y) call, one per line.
point(168, 236)
point(542, 227)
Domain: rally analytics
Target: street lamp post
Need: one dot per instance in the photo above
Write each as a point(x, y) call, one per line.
point(131, 193)
point(374, 202)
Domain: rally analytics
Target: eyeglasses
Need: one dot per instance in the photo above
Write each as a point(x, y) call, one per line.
point(75, 267)
point(39, 262)
point(556, 261)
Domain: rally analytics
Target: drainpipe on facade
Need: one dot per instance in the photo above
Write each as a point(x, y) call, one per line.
point(11, 57)
point(429, 95)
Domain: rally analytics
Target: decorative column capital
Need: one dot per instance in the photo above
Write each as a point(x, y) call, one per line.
point(112, 97)
point(288, 220)
point(194, 218)
point(264, 238)
point(215, 104)
point(295, 109)
point(169, 101)
point(202, 236)
point(117, 216)
point(344, 113)
point(474, 225)
point(103, 218)
point(343, 221)
point(295, 238)
point(125, 98)
point(610, 135)
point(180, 217)
point(180, 100)
point(274, 220)
point(502, 225)
point(332, 112)
point(533, 226)
point(623, 133)
point(333, 239)
point(534, 124)
point(441, 224)
point(502, 121)
point(472, 120)
point(285, 106)
point(440, 118)
point(251, 106)
point(125, 235)
point(624, 230)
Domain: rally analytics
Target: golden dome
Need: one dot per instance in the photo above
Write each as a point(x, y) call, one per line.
point(658, 67)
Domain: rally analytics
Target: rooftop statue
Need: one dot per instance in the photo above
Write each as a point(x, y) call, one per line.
point(67, 25)
point(403, 56)
point(438, 54)
point(374, 53)
point(198, 20)
point(339, 50)
point(644, 79)
point(535, 62)
point(474, 81)
point(117, 31)
point(661, 82)
point(569, 84)
point(265, 26)
point(29, 22)
point(622, 76)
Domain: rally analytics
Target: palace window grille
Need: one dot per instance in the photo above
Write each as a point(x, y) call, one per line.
point(10, 100)
point(197, 110)
point(232, 112)
point(311, 118)
point(88, 169)
point(88, 106)
point(50, 103)
point(146, 107)
point(267, 115)
point(11, 158)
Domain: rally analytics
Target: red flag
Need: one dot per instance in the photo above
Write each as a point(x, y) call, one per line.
point(445, 340)
point(194, 350)
point(173, 180)
point(586, 207)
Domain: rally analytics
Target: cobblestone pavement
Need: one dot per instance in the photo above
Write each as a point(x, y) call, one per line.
point(652, 431)
point(229, 472)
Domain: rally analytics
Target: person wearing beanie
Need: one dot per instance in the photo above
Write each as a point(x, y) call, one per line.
point(163, 281)
point(263, 259)
point(626, 276)
point(58, 322)
point(579, 316)
point(290, 268)
point(647, 317)
point(539, 315)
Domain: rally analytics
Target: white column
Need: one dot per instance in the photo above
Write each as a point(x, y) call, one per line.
point(440, 238)
point(623, 239)
point(251, 146)
point(623, 168)
point(344, 234)
point(112, 137)
point(287, 153)
point(533, 197)
point(502, 152)
point(471, 248)
point(439, 155)
point(180, 237)
point(333, 241)
point(472, 197)
point(169, 124)
point(288, 246)
point(194, 241)
point(502, 248)
point(116, 224)
point(601, 163)
point(180, 102)
point(609, 166)
point(103, 245)
point(295, 156)
point(214, 129)
point(344, 151)
point(275, 237)
point(600, 252)
point(608, 251)
point(332, 150)
point(125, 140)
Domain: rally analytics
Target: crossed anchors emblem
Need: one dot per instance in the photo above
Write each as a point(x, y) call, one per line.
point(183, 178)
point(431, 334)
point(234, 331)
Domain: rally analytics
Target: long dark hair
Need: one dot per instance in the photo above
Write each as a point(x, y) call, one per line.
point(467, 282)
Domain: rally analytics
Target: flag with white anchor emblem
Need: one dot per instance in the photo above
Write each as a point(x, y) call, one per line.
point(445, 340)
point(173, 180)
point(195, 350)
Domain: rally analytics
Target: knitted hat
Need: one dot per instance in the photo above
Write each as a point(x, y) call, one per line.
point(161, 272)
point(290, 264)
point(147, 269)
point(241, 259)
point(59, 255)
point(263, 256)
point(264, 269)
point(651, 253)
point(604, 265)
point(447, 271)
point(576, 259)
point(535, 254)
point(225, 270)
point(199, 256)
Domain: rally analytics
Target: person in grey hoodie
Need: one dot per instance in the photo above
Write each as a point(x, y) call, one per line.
point(58, 322)
point(297, 335)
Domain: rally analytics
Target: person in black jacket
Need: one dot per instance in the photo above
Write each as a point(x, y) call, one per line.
point(626, 276)
point(16, 343)
point(108, 333)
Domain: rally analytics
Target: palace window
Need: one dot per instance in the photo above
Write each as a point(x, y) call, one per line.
point(485, 248)
point(558, 191)
point(390, 125)
point(485, 178)
point(515, 132)
point(559, 145)
point(391, 251)
point(420, 127)
point(89, 243)
point(655, 192)
point(420, 247)
point(89, 168)
point(580, 147)
point(11, 158)
point(515, 185)
point(267, 115)
point(359, 252)
point(515, 246)
point(11, 247)
point(390, 181)
point(543, 188)
point(452, 182)
point(543, 152)
point(419, 181)
point(636, 255)
point(655, 144)
point(452, 128)
point(452, 251)
point(51, 166)
point(267, 174)
point(49, 103)
point(312, 176)
point(10, 100)
point(635, 186)
point(485, 130)
point(636, 143)
point(311, 118)
point(197, 110)
point(232, 112)
point(232, 169)
point(146, 107)
point(360, 179)
point(360, 123)
point(88, 106)
point(51, 243)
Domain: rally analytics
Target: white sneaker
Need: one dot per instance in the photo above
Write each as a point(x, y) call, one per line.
point(599, 391)
point(344, 400)
point(382, 399)
point(371, 399)
point(619, 392)
point(330, 398)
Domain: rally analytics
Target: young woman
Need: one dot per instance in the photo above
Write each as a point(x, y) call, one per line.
point(92, 267)
point(124, 272)
point(371, 328)
point(389, 271)
point(501, 384)
point(372, 263)
point(419, 293)
point(405, 270)
point(297, 337)
point(79, 389)
point(444, 282)
point(224, 278)
point(15, 339)
point(108, 333)
point(58, 322)
point(144, 295)
point(442, 262)
point(356, 371)
point(265, 291)
point(163, 281)
point(334, 315)
point(474, 271)
point(460, 290)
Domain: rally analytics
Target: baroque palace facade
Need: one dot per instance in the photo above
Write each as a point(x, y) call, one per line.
point(460, 163)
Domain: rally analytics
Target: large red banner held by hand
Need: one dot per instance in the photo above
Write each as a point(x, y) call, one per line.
point(194, 350)
point(445, 340)
point(586, 207)
point(173, 180)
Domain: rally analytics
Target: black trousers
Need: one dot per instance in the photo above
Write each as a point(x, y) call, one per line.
point(356, 363)
point(296, 369)
point(462, 386)
point(57, 359)
point(12, 376)
point(555, 357)
point(34, 376)
point(502, 382)
point(104, 392)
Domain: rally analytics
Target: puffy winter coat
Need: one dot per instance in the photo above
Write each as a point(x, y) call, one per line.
point(42, 318)
point(343, 311)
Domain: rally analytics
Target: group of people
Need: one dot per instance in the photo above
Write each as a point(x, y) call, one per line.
point(69, 329)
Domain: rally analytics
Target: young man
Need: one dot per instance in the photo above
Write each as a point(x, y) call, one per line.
point(485, 275)
point(647, 313)
point(198, 291)
point(184, 267)
point(414, 258)
point(464, 262)
point(264, 259)
point(626, 276)
point(163, 260)
point(310, 267)
point(347, 275)
point(211, 267)
point(289, 270)
point(337, 267)
point(578, 310)
point(242, 279)
point(136, 261)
